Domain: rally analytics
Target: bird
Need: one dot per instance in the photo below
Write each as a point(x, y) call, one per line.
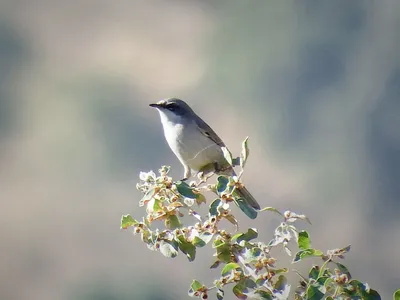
point(195, 143)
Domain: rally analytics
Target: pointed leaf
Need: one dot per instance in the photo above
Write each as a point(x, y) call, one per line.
point(313, 293)
point(206, 237)
point(343, 270)
point(232, 220)
point(172, 222)
point(236, 161)
point(264, 295)
point(196, 285)
point(314, 273)
point(200, 199)
point(281, 283)
point(238, 291)
point(271, 209)
point(249, 235)
point(198, 242)
point(186, 247)
point(229, 268)
point(128, 221)
point(227, 155)
point(242, 288)
point(169, 248)
point(220, 294)
point(307, 253)
point(252, 254)
point(185, 190)
point(215, 264)
point(246, 208)
point(213, 210)
point(245, 152)
point(303, 240)
point(222, 183)
point(147, 197)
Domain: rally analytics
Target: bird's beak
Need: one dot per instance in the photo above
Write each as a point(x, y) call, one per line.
point(155, 105)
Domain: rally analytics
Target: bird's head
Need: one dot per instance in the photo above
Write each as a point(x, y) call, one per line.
point(173, 110)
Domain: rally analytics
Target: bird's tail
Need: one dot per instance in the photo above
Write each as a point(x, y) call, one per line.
point(245, 194)
point(242, 192)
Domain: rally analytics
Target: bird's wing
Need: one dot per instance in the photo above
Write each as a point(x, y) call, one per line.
point(208, 132)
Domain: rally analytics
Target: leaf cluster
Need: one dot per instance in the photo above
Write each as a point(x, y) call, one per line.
point(245, 263)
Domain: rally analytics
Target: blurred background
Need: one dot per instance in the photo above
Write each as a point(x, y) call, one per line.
point(314, 84)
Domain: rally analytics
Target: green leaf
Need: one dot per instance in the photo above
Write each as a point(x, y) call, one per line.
point(147, 197)
point(238, 291)
point(206, 237)
point(249, 235)
point(242, 288)
point(269, 208)
point(172, 222)
point(321, 280)
point(223, 251)
point(245, 152)
point(236, 161)
point(194, 287)
point(313, 293)
point(213, 210)
point(344, 270)
point(283, 270)
point(246, 208)
point(263, 295)
point(145, 235)
point(229, 268)
point(215, 264)
point(232, 220)
point(281, 283)
point(303, 240)
point(307, 253)
point(218, 242)
point(227, 155)
point(249, 283)
point(222, 183)
point(200, 198)
point(220, 294)
point(252, 254)
point(154, 205)
point(363, 290)
point(328, 282)
point(128, 221)
point(396, 295)
point(224, 255)
point(186, 247)
point(372, 295)
point(314, 272)
point(169, 248)
point(185, 190)
point(198, 242)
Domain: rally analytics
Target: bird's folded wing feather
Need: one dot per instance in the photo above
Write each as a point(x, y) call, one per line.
point(208, 132)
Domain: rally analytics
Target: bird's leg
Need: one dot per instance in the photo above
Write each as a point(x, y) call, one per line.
point(217, 168)
point(186, 174)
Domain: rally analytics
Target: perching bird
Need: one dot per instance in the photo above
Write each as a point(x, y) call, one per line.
point(194, 143)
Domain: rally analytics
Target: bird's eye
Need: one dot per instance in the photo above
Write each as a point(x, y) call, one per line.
point(172, 107)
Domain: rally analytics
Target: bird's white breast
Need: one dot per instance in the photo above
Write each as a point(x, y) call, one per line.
point(192, 148)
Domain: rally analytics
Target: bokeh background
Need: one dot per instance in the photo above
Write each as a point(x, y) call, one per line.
point(314, 84)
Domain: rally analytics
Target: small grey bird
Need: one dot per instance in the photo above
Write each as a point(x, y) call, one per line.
point(194, 143)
